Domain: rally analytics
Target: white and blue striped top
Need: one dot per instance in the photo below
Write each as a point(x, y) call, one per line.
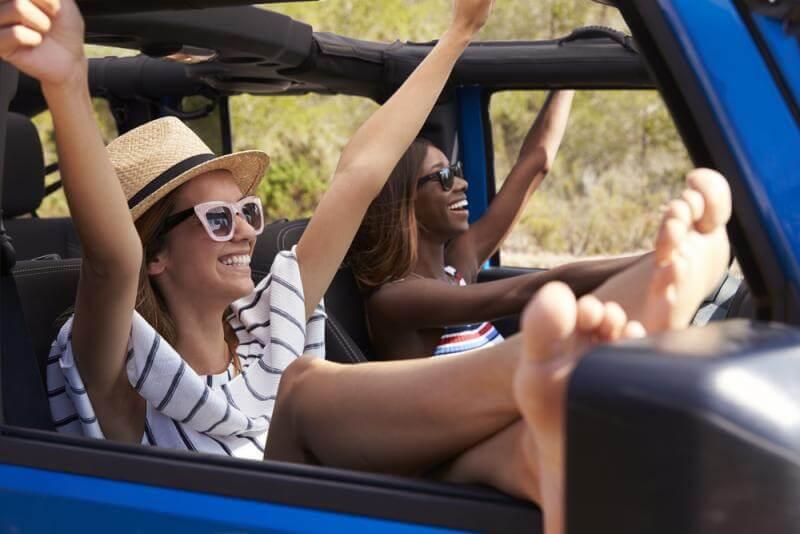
point(218, 414)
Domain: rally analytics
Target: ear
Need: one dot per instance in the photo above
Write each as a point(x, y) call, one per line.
point(157, 266)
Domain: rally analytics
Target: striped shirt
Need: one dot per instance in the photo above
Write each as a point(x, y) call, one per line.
point(458, 339)
point(217, 414)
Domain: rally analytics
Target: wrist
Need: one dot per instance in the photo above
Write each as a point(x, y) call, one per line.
point(459, 33)
point(74, 85)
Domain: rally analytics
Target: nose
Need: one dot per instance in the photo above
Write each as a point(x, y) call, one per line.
point(461, 184)
point(243, 230)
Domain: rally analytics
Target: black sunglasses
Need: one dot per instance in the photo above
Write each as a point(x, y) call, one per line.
point(446, 176)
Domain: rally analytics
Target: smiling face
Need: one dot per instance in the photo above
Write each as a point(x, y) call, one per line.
point(439, 213)
point(193, 267)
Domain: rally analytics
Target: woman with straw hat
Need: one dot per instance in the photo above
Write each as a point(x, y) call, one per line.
point(172, 345)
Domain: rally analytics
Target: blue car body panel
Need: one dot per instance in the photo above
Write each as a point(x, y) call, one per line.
point(758, 125)
point(785, 51)
point(472, 142)
point(752, 115)
point(35, 500)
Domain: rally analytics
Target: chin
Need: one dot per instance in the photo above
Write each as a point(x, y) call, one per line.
point(458, 230)
point(242, 290)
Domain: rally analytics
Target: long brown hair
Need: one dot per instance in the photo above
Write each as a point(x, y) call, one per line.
point(150, 302)
point(385, 246)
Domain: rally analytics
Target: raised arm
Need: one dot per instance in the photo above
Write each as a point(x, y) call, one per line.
point(375, 149)
point(536, 156)
point(44, 38)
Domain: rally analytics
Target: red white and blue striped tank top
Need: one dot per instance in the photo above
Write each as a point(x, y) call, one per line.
point(458, 339)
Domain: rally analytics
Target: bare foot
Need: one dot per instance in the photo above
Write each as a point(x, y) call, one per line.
point(556, 331)
point(692, 252)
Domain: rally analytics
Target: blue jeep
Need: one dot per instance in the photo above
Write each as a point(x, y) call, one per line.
point(690, 432)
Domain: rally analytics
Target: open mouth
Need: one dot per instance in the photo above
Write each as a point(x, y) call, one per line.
point(237, 260)
point(461, 205)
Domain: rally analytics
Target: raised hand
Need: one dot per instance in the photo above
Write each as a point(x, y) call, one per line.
point(43, 38)
point(471, 15)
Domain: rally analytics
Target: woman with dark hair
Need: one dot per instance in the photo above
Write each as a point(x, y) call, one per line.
point(417, 258)
point(172, 345)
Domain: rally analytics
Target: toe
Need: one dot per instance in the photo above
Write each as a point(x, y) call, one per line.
point(716, 195)
point(680, 210)
point(696, 203)
point(669, 238)
point(549, 318)
point(633, 330)
point(590, 313)
point(613, 322)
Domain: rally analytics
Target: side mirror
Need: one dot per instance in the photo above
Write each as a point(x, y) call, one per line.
point(690, 431)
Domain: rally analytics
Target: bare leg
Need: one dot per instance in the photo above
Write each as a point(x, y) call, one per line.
point(557, 330)
point(664, 289)
point(402, 417)
point(691, 254)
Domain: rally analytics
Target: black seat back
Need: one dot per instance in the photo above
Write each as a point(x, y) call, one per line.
point(346, 336)
point(46, 290)
point(23, 191)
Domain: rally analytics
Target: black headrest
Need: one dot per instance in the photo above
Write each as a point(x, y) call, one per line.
point(23, 172)
point(347, 337)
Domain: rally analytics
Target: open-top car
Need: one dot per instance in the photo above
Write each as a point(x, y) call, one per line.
point(697, 431)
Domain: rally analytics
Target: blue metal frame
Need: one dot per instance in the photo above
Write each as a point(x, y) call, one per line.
point(473, 148)
point(784, 49)
point(752, 115)
point(35, 500)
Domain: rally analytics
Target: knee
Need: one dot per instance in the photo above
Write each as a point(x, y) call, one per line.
point(286, 437)
point(293, 380)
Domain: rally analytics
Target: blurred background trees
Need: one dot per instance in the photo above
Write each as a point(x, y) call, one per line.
point(621, 157)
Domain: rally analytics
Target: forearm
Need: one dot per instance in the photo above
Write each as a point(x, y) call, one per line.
point(376, 147)
point(582, 277)
point(96, 201)
point(536, 157)
point(585, 276)
point(544, 138)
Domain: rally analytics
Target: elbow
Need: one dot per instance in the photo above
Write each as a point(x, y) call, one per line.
point(361, 179)
point(291, 403)
point(124, 263)
point(544, 160)
point(537, 162)
point(545, 167)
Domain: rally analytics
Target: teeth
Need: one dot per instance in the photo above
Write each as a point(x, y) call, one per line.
point(243, 259)
point(458, 205)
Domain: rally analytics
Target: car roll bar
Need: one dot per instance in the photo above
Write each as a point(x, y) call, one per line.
point(9, 77)
point(118, 7)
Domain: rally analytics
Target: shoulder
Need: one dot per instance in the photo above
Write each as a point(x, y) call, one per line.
point(460, 253)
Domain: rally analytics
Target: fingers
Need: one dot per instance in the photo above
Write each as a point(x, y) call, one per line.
point(15, 37)
point(51, 7)
point(25, 13)
point(23, 24)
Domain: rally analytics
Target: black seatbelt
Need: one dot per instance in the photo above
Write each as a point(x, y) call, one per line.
point(22, 396)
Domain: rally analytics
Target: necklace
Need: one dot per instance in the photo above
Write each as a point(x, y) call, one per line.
point(447, 279)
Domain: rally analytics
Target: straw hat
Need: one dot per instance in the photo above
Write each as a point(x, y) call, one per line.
point(155, 158)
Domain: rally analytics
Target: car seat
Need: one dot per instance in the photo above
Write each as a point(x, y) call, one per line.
point(346, 336)
point(23, 191)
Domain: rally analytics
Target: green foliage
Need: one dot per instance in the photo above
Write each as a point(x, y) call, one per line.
point(621, 158)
